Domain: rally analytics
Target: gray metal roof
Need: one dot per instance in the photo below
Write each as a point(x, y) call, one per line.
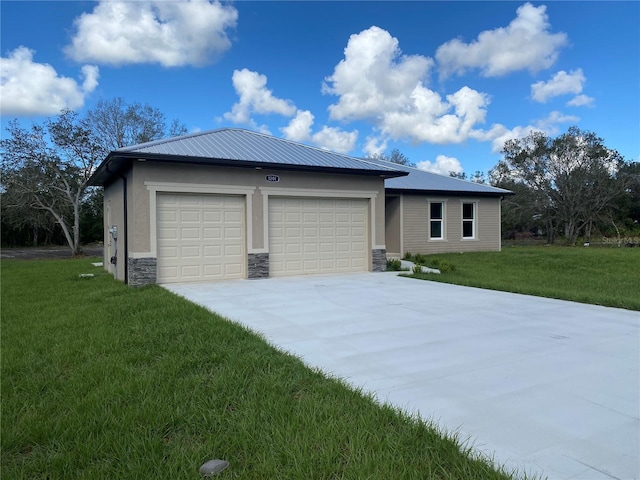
point(420, 180)
point(237, 147)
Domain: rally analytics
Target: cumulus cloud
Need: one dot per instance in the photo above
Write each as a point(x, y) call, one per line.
point(299, 129)
point(443, 165)
point(374, 76)
point(498, 134)
point(375, 82)
point(375, 146)
point(562, 83)
point(329, 138)
point(255, 97)
point(170, 33)
point(29, 88)
point(525, 44)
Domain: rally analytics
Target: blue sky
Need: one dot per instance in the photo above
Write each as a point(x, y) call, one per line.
point(444, 82)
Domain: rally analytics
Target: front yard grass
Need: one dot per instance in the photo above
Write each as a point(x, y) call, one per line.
point(607, 276)
point(100, 380)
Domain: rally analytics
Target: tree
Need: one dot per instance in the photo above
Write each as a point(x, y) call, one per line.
point(571, 181)
point(47, 168)
point(477, 177)
point(117, 124)
point(21, 224)
point(396, 156)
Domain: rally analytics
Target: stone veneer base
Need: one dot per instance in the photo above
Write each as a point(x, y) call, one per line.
point(258, 265)
point(142, 271)
point(379, 260)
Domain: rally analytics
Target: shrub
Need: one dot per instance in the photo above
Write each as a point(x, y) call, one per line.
point(394, 265)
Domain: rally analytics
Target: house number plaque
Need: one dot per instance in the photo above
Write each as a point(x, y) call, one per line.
point(272, 178)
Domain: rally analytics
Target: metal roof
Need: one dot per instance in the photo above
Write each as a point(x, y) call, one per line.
point(237, 147)
point(421, 181)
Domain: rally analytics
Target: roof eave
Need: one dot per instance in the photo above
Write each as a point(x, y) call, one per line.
point(122, 159)
point(457, 193)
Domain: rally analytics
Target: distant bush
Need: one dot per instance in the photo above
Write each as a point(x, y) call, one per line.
point(394, 265)
point(428, 261)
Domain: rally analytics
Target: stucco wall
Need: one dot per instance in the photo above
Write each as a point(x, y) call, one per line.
point(114, 216)
point(415, 225)
point(148, 178)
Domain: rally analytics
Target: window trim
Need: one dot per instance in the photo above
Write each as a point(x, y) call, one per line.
point(442, 236)
point(474, 220)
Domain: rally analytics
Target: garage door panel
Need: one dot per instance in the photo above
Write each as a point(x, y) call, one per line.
point(317, 235)
point(200, 237)
point(190, 252)
point(168, 233)
point(212, 233)
point(233, 233)
point(210, 216)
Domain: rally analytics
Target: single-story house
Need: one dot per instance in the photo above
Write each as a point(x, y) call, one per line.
point(430, 213)
point(231, 203)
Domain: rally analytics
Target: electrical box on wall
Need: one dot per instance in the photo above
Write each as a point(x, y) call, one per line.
point(114, 232)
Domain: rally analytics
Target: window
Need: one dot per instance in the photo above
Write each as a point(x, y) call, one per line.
point(468, 220)
point(436, 220)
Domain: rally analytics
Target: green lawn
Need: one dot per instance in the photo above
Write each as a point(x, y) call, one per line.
point(599, 275)
point(104, 381)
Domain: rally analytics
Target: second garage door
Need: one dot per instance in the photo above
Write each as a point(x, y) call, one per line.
point(200, 237)
point(317, 235)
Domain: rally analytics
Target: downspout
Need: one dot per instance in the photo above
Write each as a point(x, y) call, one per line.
point(126, 230)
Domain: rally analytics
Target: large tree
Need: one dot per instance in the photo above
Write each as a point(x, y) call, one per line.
point(118, 124)
point(47, 168)
point(571, 182)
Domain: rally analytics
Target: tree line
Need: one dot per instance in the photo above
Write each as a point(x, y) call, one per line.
point(571, 186)
point(44, 195)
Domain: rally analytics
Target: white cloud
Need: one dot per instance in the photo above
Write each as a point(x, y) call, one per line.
point(442, 166)
point(329, 138)
point(335, 139)
point(255, 97)
point(562, 83)
point(374, 76)
point(525, 44)
point(580, 101)
point(29, 88)
point(299, 129)
point(430, 119)
point(499, 134)
point(375, 82)
point(171, 33)
point(375, 146)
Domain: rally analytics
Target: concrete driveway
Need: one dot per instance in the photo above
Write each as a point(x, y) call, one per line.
point(545, 386)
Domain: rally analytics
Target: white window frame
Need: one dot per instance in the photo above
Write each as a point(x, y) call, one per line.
point(474, 220)
point(441, 220)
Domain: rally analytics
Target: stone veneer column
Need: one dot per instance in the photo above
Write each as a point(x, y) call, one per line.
point(379, 260)
point(142, 271)
point(258, 264)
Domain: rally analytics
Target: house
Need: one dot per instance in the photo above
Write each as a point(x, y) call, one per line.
point(430, 213)
point(231, 203)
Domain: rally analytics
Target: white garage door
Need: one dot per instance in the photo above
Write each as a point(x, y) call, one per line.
point(200, 237)
point(317, 235)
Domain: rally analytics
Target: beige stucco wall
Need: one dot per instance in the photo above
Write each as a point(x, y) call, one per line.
point(149, 178)
point(415, 225)
point(114, 216)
